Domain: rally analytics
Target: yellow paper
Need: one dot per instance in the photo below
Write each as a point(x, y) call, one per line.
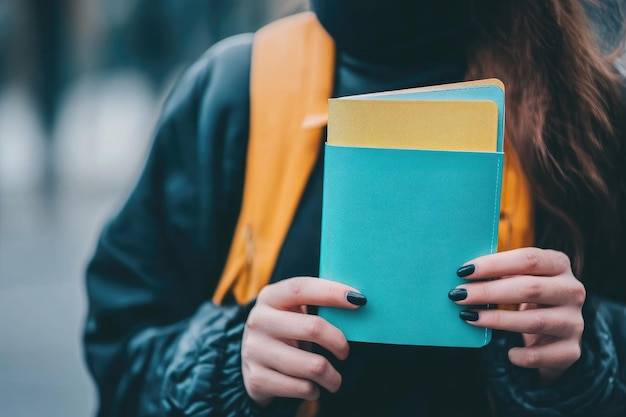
point(444, 125)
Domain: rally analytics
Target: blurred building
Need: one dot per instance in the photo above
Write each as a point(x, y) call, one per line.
point(81, 82)
point(154, 34)
point(54, 53)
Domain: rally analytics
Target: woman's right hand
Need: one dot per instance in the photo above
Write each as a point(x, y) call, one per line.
point(272, 361)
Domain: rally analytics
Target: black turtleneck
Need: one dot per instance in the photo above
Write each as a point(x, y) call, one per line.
point(395, 31)
point(395, 44)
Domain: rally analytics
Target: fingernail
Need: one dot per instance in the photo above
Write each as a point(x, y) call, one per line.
point(458, 294)
point(356, 298)
point(466, 270)
point(469, 315)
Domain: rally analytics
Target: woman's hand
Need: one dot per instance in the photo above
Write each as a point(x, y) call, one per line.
point(273, 364)
point(550, 303)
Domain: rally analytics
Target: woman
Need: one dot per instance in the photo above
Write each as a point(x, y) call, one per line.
point(156, 345)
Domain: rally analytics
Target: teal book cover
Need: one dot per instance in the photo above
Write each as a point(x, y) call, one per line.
point(409, 197)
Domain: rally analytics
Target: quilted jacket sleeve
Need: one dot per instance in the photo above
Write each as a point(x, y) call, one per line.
point(204, 376)
point(154, 344)
point(593, 386)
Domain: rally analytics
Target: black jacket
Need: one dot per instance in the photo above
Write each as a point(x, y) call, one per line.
point(156, 345)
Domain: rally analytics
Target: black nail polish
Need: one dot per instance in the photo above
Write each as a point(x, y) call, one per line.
point(469, 315)
point(356, 298)
point(466, 270)
point(458, 294)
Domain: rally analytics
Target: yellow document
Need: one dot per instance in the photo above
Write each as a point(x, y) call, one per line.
point(408, 124)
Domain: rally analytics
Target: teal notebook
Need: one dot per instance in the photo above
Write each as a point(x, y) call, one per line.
point(397, 222)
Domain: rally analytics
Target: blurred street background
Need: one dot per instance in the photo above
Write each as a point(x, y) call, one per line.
point(81, 83)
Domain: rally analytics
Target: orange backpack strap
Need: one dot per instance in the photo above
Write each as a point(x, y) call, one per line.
point(516, 228)
point(291, 80)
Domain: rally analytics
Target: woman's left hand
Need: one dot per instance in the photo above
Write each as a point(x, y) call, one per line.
point(550, 303)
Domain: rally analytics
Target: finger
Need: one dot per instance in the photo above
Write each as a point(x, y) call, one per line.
point(558, 322)
point(524, 261)
point(298, 363)
point(557, 355)
point(560, 290)
point(287, 325)
point(263, 384)
point(297, 291)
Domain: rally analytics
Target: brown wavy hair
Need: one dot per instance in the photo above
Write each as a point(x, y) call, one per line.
point(566, 121)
